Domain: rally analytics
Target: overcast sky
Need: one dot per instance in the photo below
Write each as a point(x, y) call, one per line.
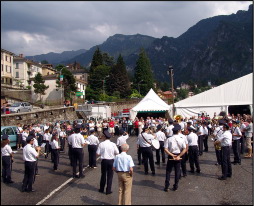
point(33, 28)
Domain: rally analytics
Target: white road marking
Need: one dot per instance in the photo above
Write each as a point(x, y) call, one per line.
point(61, 186)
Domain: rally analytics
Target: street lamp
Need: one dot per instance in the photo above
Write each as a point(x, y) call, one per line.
point(170, 70)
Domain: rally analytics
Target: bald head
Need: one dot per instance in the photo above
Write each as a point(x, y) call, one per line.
point(125, 147)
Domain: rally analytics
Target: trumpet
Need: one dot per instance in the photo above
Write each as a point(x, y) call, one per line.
point(178, 118)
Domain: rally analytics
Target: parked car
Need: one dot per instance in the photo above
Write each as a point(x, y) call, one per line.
point(12, 132)
point(20, 107)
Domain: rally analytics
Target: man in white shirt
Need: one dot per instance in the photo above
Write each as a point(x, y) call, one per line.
point(237, 135)
point(161, 137)
point(29, 156)
point(169, 128)
point(175, 147)
point(122, 139)
point(249, 137)
point(226, 142)
point(107, 150)
point(92, 148)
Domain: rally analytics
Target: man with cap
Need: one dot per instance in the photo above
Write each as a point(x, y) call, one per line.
point(92, 148)
point(77, 143)
point(144, 144)
point(217, 134)
point(193, 152)
point(236, 135)
point(169, 131)
point(7, 157)
point(122, 139)
point(175, 147)
point(29, 156)
point(205, 137)
point(161, 137)
point(107, 150)
point(226, 142)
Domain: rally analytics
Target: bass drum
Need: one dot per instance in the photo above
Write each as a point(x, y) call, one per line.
point(155, 144)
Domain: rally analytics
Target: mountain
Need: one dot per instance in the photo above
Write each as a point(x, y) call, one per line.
point(125, 45)
point(56, 58)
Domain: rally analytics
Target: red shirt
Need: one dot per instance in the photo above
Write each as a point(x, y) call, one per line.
point(136, 124)
point(112, 124)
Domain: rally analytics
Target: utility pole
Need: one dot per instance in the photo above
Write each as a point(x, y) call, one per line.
point(172, 87)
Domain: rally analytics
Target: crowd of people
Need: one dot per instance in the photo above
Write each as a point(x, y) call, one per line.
point(179, 140)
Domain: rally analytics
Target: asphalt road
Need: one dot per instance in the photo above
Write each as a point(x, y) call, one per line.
point(196, 189)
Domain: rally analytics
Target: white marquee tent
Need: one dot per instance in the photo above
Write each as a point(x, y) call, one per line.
point(150, 103)
point(236, 92)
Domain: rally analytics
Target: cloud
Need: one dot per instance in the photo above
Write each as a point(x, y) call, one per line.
point(41, 27)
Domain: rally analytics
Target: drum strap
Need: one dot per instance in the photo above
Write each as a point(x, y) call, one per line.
point(146, 140)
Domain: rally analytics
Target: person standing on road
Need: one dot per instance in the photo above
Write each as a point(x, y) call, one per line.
point(112, 127)
point(161, 137)
point(19, 136)
point(107, 150)
point(237, 135)
point(175, 147)
point(46, 138)
point(29, 156)
point(123, 166)
point(226, 142)
point(24, 136)
point(77, 142)
point(7, 158)
point(55, 151)
point(122, 139)
point(92, 148)
point(249, 137)
point(193, 150)
point(144, 144)
point(62, 137)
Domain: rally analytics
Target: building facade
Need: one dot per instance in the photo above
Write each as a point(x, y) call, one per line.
point(6, 67)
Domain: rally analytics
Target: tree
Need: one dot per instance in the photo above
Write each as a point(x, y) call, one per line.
point(97, 60)
point(69, 83)
point(39, 86)
point(44, 62)
point(143, 76)
point(118, 79)
point(182, 94)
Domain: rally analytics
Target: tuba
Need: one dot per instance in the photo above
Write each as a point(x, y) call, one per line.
point(178, 118)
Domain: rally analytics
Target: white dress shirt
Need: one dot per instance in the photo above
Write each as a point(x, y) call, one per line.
point(54, 144)
point(122, 140)
point(192, 139)
point(170, 131)
point(6, 150)
point(236, 131)
point(29, 153)
point(218, 132)
point(24, 136)
point(107, 150)
point(175, 144)
point(47, 136)
point(183, 137)
point(226, 139)
point(77, 140)
point(161, 136)
point(141, 142)
point(93, 140)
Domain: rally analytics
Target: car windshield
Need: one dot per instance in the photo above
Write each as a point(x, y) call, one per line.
point(15, 105)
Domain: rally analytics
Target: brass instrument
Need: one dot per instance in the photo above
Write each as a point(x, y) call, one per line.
point(178, 118)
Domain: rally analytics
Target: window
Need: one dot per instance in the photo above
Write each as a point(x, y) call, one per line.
point(17, 74)
point(6, 58)
point(6, 68)
point(17, 65)
point(2, 67)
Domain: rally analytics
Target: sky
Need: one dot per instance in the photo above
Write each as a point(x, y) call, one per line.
point(40, 27)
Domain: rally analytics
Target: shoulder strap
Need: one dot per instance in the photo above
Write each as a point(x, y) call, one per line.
point(145, 139)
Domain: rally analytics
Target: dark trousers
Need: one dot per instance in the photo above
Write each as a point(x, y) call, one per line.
point(29, 176)
point(236, 150)
point(106, 175)
point(183, 164)
point(70, 153)
point(77, 157)
point(194, 157)
point(242, 141)
point(160, 150)
point(92, 155)
point(47, 148)
point(147, 154)
point(62, 143)
point(136, 131)
point(139, 156)
point(176, 164)
point(55, 153)
point(225, 162)
point(205, 139)
point(117, 131)
point(200, 144)
point(120, 149)
point(218, 156)
point(6, 168)
point(130, 128)
point(24, 143)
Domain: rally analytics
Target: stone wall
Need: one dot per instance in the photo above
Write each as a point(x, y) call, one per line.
point(43, 116)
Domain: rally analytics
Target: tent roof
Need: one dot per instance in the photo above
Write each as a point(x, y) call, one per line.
point(151, 102)
point(236, 92)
